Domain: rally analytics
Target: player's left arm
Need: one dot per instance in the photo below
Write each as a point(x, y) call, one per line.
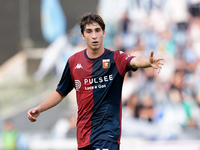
point(145, 62)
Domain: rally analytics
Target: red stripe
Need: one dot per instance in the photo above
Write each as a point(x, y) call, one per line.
point(84, 98)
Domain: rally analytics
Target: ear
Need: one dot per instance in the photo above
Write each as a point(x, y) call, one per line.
point(83, 37)
point(104, 33)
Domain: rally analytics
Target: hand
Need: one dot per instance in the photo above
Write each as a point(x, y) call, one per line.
point(33, 114)
point(155, 62)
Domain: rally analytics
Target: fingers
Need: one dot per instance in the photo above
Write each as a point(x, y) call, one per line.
point(159, 68)
point(158, 59)
point(31, 118)
point(33, 111)
point(152, 52)
point(30, 114)
point(158, 64)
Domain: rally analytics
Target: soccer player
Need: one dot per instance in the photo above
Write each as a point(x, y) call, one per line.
point(97, 75)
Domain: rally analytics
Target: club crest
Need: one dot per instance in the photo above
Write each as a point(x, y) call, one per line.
point(106, 63)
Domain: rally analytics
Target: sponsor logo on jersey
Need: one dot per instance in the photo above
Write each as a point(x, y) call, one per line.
point(78, 66)
point(106, 63)
point(77, 85)
point(93, 83)
point(99, 80)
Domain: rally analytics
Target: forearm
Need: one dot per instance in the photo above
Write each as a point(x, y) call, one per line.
point(53, 99)
point(140, 62)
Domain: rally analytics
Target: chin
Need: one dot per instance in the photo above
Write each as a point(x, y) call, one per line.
point(94, 48)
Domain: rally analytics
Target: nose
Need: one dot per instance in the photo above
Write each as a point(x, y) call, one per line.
point(94, 36)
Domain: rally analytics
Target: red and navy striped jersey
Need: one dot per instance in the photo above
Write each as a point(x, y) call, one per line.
point(98, 84)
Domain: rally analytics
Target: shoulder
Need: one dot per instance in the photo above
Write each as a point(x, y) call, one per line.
point(116, 53)
point(76, 55)
point(110, 52)
point(119, 53)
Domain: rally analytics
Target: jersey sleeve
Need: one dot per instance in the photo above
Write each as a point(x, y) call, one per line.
point(66, 84)
point(122, 61)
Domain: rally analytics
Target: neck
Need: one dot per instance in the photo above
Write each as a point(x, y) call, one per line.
point(95, 53)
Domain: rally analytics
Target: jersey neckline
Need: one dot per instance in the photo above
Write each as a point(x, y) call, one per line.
point(92, 59)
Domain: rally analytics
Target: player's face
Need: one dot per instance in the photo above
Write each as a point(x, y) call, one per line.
point(93, 35)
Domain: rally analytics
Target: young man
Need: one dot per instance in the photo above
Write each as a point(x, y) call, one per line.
point(97, 75)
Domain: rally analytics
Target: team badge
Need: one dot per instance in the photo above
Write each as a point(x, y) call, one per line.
point(106, 63)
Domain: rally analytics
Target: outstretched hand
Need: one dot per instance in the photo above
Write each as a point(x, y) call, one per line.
point(155, 62)
point(33, 114)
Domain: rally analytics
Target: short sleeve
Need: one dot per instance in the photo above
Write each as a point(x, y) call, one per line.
point(66, 84)
point(122, 61)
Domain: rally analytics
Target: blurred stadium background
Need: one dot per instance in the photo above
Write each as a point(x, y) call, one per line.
point(160, 111)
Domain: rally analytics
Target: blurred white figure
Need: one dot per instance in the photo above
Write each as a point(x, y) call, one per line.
point(55, 56)
point(176, 11)
point(107, 13)
point(61, 128)
point(157, 21)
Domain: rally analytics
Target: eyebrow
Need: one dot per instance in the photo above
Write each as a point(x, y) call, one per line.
point(94, 29)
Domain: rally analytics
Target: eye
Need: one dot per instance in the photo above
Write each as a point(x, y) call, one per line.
point(98, 30)
point(88, 31)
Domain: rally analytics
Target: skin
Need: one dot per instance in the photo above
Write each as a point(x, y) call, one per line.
point(93, 36)
point(50, 102)
point(145, 62)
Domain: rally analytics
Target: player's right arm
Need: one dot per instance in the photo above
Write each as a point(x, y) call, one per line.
point(53, 99)
point(64, 87)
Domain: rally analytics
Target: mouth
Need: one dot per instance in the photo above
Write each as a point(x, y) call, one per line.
point(95, 43)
